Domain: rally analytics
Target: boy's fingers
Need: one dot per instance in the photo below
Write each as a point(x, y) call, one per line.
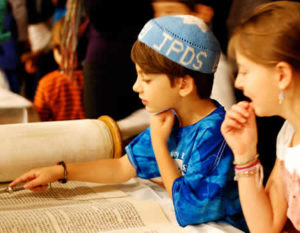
point(33, 184)
point(20, 179)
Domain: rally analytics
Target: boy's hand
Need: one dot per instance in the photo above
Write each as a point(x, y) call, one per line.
point(240, 131)
point(38, 179)
point(161, 126)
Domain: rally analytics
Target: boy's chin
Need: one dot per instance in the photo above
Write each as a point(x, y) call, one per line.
point(156, 111)
point(153, 110)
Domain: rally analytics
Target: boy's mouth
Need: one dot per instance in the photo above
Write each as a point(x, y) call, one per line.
point(144, 101)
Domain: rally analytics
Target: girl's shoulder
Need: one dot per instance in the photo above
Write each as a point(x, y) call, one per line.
point(290, 156)
point(284, 138)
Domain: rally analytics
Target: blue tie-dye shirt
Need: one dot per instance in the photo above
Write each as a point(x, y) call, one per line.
point(206, 191)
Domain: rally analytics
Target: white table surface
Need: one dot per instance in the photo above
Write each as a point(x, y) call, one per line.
point(15, 108)
point(145, 189)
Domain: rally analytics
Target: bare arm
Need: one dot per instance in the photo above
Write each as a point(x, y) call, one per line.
point(168, 170)
point(102, 171)
point(264, 208)
point(161, 126)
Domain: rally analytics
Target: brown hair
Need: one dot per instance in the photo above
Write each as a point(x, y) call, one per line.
point(270, 34)
point(56, 34)
point(152, 62)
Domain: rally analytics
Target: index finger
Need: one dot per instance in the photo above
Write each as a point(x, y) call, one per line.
point(23, 178)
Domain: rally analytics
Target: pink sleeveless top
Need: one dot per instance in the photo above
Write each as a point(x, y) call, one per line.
point(290, 163)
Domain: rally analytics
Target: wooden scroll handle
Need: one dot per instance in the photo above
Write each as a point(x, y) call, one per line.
point(116, 134)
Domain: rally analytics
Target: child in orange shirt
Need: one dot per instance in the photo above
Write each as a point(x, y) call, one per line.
point(59, 96)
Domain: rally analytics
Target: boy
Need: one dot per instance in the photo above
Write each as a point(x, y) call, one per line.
point(59, 96)
point(175, 58)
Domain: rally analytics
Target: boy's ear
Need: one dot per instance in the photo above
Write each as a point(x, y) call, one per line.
point(285, 74)
point(186, 85)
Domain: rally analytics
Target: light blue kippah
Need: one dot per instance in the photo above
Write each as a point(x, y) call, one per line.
point(184, 39)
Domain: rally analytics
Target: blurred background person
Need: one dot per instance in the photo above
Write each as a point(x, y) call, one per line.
point(108, 71)
point(9, 56)
point(59, 95)
point(172, 7)
point(38, 59)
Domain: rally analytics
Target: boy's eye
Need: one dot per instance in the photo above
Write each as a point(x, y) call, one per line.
point(146, 80)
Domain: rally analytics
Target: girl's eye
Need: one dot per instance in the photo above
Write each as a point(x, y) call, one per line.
point(242, 72)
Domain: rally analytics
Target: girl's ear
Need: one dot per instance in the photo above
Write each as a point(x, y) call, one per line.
point(285, 74)
point(186, 85)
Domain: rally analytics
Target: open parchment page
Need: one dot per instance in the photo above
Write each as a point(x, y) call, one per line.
point(81, 207)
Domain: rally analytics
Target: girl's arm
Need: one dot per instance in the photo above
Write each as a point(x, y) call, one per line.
point(101, 171)
point(264, 208)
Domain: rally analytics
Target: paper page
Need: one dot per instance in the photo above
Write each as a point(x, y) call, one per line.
point(71, 192)
point(81, 207)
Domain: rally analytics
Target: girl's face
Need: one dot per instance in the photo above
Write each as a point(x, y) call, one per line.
point(155, 91)
point(258, 83)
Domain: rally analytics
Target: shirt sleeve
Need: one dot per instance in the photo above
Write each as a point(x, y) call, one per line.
point(141, 155)
point(202, 194)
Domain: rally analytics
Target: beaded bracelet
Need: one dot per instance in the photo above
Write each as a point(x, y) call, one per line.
point(239, 167)
point(254, 169)
point(63, 180)
point(248, 161)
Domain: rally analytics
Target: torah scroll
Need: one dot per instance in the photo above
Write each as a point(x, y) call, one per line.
point(30, 145)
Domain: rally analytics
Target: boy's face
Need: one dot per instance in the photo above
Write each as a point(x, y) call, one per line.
point(155, 91)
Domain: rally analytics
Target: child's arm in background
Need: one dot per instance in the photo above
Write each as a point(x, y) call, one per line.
point(161, 125)
point(100, 171)
point(264, 209)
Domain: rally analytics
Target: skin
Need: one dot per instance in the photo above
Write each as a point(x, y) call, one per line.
point(157, 94)
point(204, 12)
point(264, 208)
point(170, 8)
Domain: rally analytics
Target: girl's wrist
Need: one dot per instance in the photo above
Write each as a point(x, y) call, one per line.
point(244, 159)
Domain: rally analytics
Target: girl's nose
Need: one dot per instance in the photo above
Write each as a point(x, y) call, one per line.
point(238, 83)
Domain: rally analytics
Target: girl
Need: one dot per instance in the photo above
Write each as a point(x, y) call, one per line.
point(267, 50)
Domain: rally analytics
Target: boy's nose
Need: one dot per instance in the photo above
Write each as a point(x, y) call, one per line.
point(136, 86)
